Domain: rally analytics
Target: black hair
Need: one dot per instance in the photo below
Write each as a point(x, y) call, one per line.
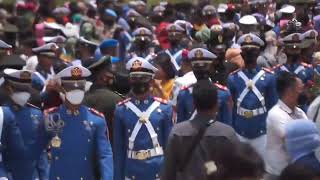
point(164, 61)
point(297, 172)
point(285, 81)
point(204, 95)
point(235, 161)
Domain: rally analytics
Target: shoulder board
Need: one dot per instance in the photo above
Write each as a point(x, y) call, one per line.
point(96, 112)
point(50, 110)
point(306, 65)
point(268, 70)
point(160, 100)
point(221, 87)
point(31, 105)
point(124, 101)
point(186, 87)
point(233, 72)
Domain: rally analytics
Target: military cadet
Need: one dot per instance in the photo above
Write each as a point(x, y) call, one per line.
point(309, 45)
point(24, 152)
point(101, 96)
point(85, 49)
point(218, 46)
point(79, 146)
point(142, 125)
point(142, 44)
point(46, 56)
point(202, 62)
point(253, 91)
point(175, 35)
point(292, 49)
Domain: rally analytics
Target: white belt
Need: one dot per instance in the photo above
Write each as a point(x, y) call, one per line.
point(126, 178)
point(145, 154)
point(251, 113)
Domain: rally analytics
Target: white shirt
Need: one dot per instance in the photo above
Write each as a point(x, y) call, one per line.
point(180, 82)
point(312, 110)
point(276, 155)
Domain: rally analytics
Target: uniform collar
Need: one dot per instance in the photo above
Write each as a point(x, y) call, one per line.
point(138, 102)
point(252, 71)
point(69, 112)
point(200, 120)
point(284, 107)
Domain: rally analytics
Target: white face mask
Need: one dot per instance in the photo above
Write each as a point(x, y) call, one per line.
point(75, 97)
point(20, 98)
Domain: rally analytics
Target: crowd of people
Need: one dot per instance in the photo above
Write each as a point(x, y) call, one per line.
point(99, 89)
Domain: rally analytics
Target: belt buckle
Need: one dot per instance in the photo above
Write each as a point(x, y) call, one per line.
point(248, 114)
point(142, 155)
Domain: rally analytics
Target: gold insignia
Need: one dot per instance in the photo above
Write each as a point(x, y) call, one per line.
point(199, 54)
point(136, 64)
point(56, 142)
point(173, 28)
point(248, 39)
point(142, 32)
point(312, 34)
point(295, 37)
point(25, 75)
point(220, 38)
point(53, 48)
point(76, 72)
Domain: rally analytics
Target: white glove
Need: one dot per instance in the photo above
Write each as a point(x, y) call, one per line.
point(3, 178)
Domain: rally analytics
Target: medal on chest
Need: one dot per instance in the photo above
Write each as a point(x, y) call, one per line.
point(54, 124)
point(56, 142)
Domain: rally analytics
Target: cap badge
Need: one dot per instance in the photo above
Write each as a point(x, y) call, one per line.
point(295, 37)
point(312, 34)
point(220, 38)
point(76, 72)
point(25, 75)
point(136, 64)
point(248, 39)
point(199, 54)
point(142, 32)
point(173, 28)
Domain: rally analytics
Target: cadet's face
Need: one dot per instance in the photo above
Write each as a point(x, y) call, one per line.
point(290, 50)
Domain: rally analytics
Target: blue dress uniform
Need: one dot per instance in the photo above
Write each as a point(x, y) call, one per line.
point(40, 77)
point(184, 100)
point(175, 53)
point(185, 107)
point(143, 35)
point(302, 70)
point(254, 93)
point(140, 136)
point(250, 112)
point(24, 150)
point(79, 146)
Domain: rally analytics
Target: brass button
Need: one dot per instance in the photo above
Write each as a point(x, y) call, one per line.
point(81, 178)
point(85, 158)
point(133, 177)
point(58, 178)
point(56, 158)
point(129, 130)
point(89, 140)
